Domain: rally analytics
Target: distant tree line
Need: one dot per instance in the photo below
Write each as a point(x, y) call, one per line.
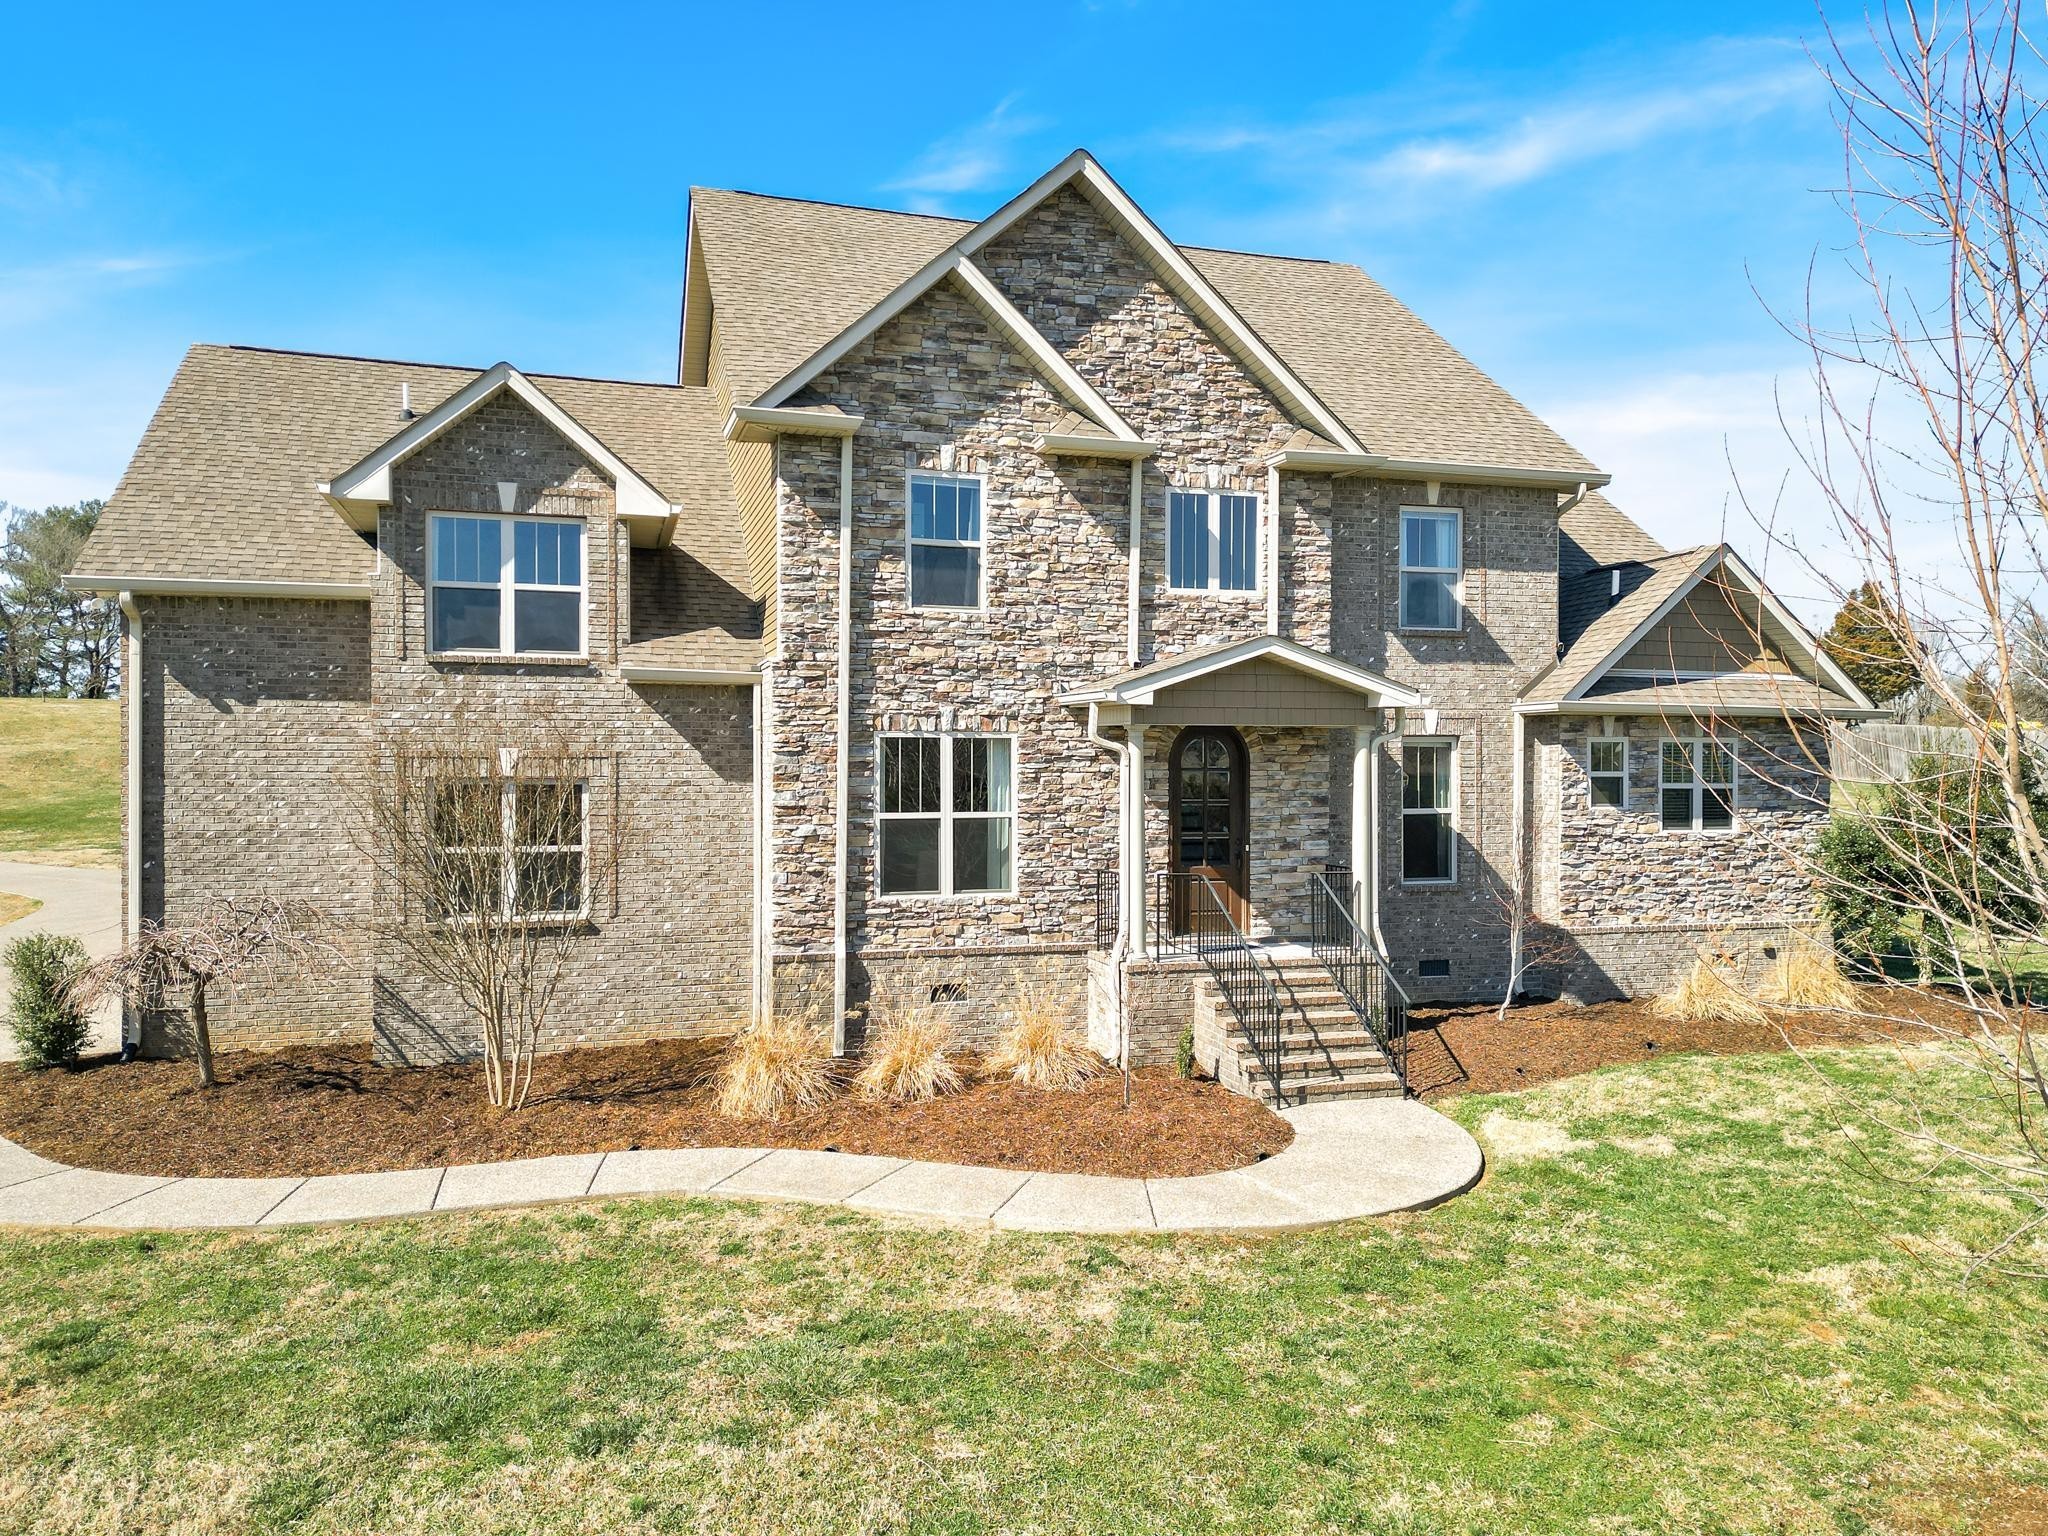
point(53, 641)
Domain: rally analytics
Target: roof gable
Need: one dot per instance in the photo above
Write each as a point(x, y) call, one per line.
point(367, 482)
point(1181, 276)
point(1141, 684)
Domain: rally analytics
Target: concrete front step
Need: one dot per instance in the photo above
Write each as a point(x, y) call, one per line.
point(1326, 1051)
point(1310, 1061)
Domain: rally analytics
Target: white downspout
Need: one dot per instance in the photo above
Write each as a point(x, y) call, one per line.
point(1518, 745)
point(131, 690)
point(1273, 549)
point(1137, 559)
point(844, 767)
point(1373, 744)
point(1121, 945)
point(764, 803)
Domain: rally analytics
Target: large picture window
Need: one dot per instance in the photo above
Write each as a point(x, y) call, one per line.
point(1696, 786)
point(1212, 541)
point(945, 541)
point(506, 586)
point(1429, 845)
point(947, 816)
point(511, 850)
point(1432, 568)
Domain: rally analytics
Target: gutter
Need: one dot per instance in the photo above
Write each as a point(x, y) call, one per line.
point(714, 677)
point(758, 423)
point(1121, 751)
point(1084, 447)
point(1333, 461)
point(180, 586)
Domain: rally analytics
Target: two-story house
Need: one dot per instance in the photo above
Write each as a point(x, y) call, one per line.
point(1192, 630)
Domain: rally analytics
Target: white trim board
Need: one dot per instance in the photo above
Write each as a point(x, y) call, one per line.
point(1140, 689)
point(1174, 269)
point(366, 484)
point(181, 586)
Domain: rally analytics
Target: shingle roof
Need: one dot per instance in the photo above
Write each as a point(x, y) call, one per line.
point(223, 484)
point(1667, 574)
point(1706, 696)
point(1593, 538)
point(788, 276)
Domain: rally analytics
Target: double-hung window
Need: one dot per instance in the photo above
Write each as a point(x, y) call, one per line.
point(1696, 786)
point(1429, 851)
point(1607, 772)
point(947, 816)
point(945, 541)
point(506, 586)
point(1432, 566)
point(1212, 541)
point(510, 850)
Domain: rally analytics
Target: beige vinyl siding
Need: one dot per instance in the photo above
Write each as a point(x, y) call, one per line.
point(1258, 692)
point(753, 484)
point(1707, 632)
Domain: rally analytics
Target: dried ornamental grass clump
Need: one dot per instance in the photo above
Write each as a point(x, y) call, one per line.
point(1040, 1050)
point(1704, 996)
point(906, 1057)
point(1811, 977)
point(776, 1065)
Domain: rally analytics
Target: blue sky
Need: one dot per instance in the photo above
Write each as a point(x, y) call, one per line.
point(1582, 197)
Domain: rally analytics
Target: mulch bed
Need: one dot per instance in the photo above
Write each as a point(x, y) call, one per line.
point(1467, 1049)
point(314, 1111)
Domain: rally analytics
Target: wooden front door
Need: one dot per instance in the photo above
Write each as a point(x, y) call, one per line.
point(1210, 838)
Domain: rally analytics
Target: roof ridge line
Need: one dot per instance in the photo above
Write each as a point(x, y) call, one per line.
point(413, 362)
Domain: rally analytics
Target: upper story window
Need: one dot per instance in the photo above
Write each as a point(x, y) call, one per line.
point(1429, 845)
point(945, 540)
point(1696, 786)
point(1212, 541)
point(1432, 568)
point(506, 586)
point(1607, 772)
point(947, 816)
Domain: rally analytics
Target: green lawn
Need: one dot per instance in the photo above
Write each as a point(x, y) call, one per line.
point(1668, 1308)
point(60, 779)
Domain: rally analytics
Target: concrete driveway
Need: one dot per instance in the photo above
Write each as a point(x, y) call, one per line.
point(85, 903)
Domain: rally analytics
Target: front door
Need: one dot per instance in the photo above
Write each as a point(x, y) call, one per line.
point(1210, 840)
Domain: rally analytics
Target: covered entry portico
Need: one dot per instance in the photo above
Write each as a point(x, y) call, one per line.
point(1227, 757)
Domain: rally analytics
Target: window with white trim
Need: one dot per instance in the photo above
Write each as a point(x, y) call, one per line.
point(1607, 772)
point(1429, 843)
point(1432, 568)
point(511, 850)
point(1696, 786)
point(505, 586)
point(1212, 541)
point(947, 816)
point(944, 540)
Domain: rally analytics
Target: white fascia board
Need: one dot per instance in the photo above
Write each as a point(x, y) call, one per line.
point(1657, 616)
point(717, 677)
point(1026, 335)
point(1202, 296)
point(369, 479)
point(1083, 447)
point(1324, 460)
point(182, 586)
point(759, 423)
point(1144, 690)
point(1611, 705)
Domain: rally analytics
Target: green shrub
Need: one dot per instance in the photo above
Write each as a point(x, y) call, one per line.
point(1184, 1052)
point(1861, 895)
point(48, 1022)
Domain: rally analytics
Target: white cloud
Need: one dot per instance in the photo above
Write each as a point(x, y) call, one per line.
point(1702, 456)
point(974, 159)
point(31, 294)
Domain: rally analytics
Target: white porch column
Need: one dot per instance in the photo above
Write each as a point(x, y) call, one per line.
point(1364, 824)
point(1134, 838)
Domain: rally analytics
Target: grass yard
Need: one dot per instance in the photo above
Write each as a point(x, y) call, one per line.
point(1668, 1308)
point(60, 779)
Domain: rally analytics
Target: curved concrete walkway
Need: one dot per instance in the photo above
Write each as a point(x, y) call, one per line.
point(1359, 1158)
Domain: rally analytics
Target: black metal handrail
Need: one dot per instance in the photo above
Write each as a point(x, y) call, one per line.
point(1109, 895)
point(1361, 972)
point(1188, 913)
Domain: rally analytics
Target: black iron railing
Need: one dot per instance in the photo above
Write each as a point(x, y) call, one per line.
point(1188, 914)
point(1109, 894)
point(1360, 970)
